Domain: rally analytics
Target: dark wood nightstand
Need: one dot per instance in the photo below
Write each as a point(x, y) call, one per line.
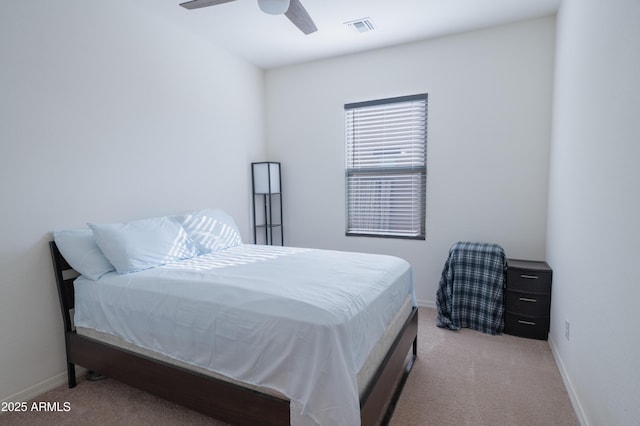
point(528, 299)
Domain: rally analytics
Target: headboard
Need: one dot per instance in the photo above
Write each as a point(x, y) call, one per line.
point(65, 275)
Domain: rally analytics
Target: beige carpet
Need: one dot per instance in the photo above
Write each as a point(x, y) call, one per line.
point(469, 378)
point(459, 378)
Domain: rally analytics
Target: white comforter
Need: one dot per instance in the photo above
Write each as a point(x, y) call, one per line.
point(299, 321)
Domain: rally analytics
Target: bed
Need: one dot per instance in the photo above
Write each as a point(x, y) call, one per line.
point(259, 348)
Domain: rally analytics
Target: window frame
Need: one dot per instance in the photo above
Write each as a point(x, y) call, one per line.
point(381, 170)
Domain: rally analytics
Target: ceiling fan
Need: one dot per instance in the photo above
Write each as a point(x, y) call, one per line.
point(292, 9)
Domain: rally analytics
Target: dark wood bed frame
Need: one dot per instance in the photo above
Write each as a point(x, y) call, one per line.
point(217, 398)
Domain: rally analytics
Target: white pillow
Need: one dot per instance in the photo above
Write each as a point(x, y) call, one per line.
point(79, 248)
point(143, 244)
point(211, 229)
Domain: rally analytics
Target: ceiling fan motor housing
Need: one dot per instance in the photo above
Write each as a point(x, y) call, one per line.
point(274, 7)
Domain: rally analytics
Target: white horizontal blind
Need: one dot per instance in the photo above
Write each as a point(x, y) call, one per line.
point(386, 167)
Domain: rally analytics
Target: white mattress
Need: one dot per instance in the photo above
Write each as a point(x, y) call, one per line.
point(365, 374)
point(299, 321)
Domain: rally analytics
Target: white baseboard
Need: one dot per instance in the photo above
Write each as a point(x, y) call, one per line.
point(44, 386)
point(575, 402)
point(426, 303)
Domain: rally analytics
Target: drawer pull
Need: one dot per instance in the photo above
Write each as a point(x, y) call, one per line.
point(527, 299)
point(526, 322)
point(529, 277)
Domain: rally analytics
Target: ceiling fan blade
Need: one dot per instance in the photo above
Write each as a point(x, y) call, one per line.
point(196, 4)
point(300, 18)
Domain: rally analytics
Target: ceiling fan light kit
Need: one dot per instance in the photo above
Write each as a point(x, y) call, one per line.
point(292, 9)
point(274, 7)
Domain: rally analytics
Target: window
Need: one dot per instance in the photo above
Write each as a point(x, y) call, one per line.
point(386, 167)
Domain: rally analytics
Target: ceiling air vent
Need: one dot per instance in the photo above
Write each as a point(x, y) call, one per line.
point(361, 25)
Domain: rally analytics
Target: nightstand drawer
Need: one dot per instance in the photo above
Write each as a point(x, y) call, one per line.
point(534, 304)
point(529, 280)
point(526, 326)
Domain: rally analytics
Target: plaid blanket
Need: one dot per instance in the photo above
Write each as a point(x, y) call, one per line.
point(470, 293)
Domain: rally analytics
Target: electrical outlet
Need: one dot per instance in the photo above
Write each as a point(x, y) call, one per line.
point(567, 329)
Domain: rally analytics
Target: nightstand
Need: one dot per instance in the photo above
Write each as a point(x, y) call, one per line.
point(528, 299)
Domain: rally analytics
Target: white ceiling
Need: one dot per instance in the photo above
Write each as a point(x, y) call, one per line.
point(268, 41)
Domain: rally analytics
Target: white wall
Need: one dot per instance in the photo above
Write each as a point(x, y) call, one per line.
point(488, 145)
point(594, 208)
point(107, 114)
